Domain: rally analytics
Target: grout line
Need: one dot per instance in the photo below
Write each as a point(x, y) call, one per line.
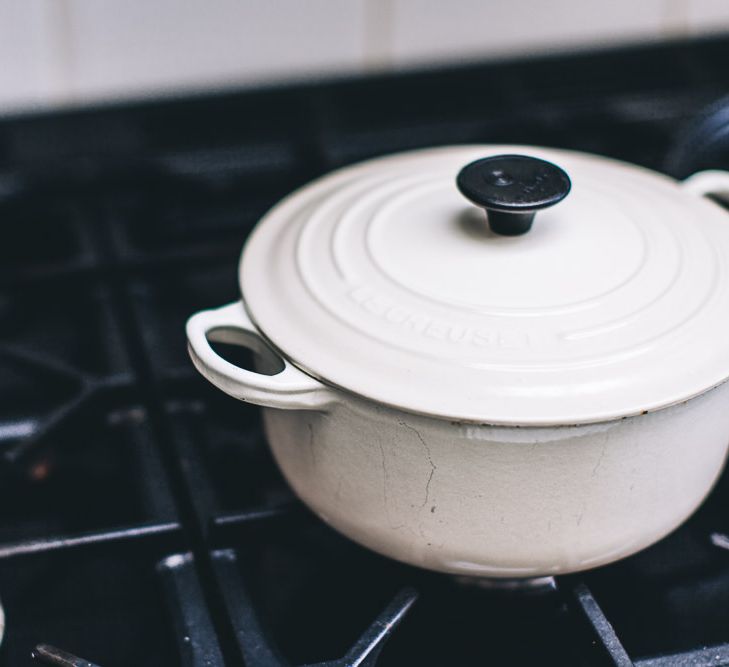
point(58, 51)
point(378, 34)
point(675, 21)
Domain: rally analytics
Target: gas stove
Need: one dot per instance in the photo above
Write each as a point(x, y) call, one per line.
point(137, 527)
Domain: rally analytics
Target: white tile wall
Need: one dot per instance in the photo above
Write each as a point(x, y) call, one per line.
point(31, 58)
point(68, 51)
point(708, 15)
point(151, 47)
point(431, 30)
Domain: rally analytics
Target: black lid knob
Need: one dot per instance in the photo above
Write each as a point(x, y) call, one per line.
point(511, 188)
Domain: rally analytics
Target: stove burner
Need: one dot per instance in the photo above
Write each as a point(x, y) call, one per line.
point(83, 387)
point(252, 638)
point(527, 585)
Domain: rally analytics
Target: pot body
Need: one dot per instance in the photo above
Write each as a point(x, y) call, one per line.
point(501, 501)
point(468, 498)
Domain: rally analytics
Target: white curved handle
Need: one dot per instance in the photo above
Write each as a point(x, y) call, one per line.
point(289, 389)
point(712, 182)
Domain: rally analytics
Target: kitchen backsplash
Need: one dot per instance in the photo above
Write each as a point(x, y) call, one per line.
point(59, 52)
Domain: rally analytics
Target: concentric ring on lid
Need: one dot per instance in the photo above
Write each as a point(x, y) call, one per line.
point(382, 279)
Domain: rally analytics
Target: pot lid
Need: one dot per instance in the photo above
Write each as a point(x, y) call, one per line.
point(385, 279)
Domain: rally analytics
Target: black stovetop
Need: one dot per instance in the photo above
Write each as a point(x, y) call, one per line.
point(142, 520)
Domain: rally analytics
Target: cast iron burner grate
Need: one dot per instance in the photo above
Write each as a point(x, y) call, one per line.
point(142, 519)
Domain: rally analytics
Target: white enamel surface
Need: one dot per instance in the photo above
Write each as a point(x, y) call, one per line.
point(382, 279)
point(287, 387)
point(499, 501)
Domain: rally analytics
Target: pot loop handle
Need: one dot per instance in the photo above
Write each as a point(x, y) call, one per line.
point(712, 182)
point(289, 389)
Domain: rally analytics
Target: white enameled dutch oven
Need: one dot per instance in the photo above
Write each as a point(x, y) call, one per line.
point(479, 395)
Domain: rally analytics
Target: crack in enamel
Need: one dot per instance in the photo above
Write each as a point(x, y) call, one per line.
point(602, 454)
point(428, 455)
